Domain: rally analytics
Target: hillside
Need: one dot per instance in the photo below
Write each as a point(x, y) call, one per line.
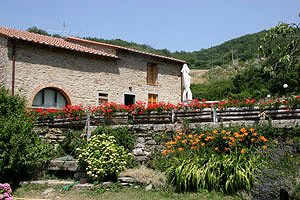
point(242, 48)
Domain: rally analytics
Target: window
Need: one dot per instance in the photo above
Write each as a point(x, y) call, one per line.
point(102, 98)
point(152, 74)
point(129, 99)
point(152, 98)
point(49, 98)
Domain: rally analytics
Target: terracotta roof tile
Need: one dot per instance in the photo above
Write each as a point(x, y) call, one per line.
point(125, 48)
point(51, 41)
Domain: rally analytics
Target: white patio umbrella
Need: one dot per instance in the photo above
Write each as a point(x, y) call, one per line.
point(186, 80)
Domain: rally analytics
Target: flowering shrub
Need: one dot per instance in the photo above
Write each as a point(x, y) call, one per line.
point(224, 141)
point(221, 160)
point(5, 192)
point(76, 112)
point(102, 157)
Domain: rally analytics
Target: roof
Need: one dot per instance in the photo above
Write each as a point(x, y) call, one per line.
point(68, 44)
point(50, 41)
point(125, 48)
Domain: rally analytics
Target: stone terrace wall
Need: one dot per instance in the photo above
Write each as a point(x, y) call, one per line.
point(145, 133)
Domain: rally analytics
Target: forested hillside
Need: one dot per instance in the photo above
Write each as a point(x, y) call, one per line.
point(242, 49)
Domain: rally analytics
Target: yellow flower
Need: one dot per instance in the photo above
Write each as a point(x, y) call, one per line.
point(243, 151)
point(265, 147)
point(215, 131)
point(223, 131)
point(169, 147)
point(216, 148)
point(251, 130)
point(180, 149)
point(184, 141)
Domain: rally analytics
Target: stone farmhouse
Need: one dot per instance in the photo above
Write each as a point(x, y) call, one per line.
point(53, 72)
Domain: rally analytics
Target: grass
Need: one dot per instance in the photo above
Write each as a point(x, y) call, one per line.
point(35, 192)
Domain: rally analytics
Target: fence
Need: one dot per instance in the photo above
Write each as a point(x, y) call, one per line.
point(174, 116)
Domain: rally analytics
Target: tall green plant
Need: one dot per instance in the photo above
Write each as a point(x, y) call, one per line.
point(21, 151)
point(224, 173)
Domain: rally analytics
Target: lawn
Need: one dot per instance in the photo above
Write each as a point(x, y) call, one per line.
point(116, 193)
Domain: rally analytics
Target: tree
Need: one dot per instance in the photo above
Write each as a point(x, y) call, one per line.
point(281, 55)
point(37, 30)
point(21, 151)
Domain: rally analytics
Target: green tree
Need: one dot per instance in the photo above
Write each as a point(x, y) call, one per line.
point(21, 151)
point(37, 30)
point(281, 54)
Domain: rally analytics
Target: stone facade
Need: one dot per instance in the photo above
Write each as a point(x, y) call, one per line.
point(81, 76)
point(3, 60)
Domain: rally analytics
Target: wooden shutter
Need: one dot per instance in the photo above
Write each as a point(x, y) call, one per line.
point(152, 73)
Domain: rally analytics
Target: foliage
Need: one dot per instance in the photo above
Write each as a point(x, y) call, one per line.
point(21, 151)
point(230, 142)
point(72, 140)
point(214, 90)
point(123, 136)
point(221, 160)
point(224, 173)
point(102, 157)
point(281, 172)
point(37, 30)
point(243, 48)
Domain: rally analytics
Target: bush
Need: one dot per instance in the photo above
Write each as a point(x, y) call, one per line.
point(282, 171)
point(73, 139)
point(122, 136)
point(102, 157)
point(218, 172)
point(21, 151)
point(221, 160)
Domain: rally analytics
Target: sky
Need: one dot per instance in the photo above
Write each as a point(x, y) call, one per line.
point(176, 25)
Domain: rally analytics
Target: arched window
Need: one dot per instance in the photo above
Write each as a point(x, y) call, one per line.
point(49, 98)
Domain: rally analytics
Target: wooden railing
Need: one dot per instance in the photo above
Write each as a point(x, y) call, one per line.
point(167, 117)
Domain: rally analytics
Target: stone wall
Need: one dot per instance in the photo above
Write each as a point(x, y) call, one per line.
point(82, 76)
point(146, 133)
point(3, 60)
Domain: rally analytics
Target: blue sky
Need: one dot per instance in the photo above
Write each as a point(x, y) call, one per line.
point(176, 25)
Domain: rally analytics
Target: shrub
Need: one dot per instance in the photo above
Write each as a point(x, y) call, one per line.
point(221, 160)
point(102, 157)
point(21, 151)
point(218, 172)
point(123, 136)
point(73, 139)
point(282, 171)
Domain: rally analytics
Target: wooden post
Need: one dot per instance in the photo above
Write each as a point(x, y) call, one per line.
point(87, 126)
point(173, 116)
point(214, 112)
